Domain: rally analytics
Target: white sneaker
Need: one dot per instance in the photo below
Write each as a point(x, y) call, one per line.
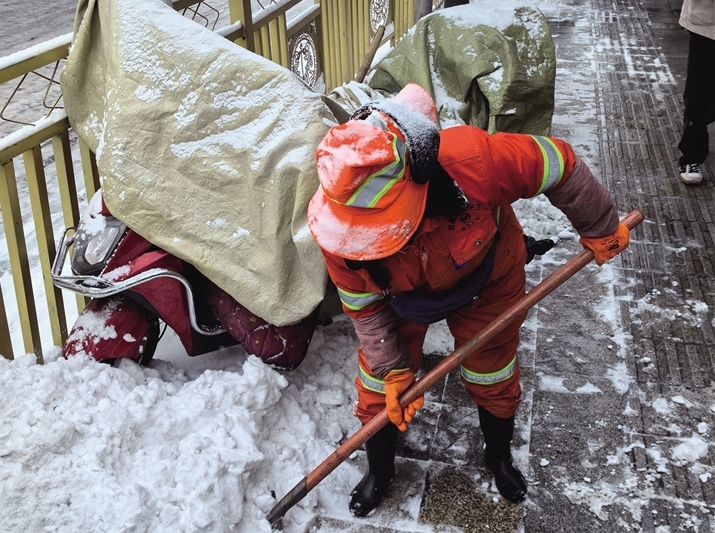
point(691, 174)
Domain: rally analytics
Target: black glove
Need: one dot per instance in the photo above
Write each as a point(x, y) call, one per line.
point(534, 247)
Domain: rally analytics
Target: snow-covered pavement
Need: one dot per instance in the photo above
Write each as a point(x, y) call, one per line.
point(616, 429)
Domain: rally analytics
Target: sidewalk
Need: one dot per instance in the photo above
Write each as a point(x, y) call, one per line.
point(616, 429)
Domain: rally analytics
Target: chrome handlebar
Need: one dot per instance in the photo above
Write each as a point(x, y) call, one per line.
point(100, 287)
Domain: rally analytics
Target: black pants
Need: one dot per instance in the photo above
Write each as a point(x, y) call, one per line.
point(699, 99)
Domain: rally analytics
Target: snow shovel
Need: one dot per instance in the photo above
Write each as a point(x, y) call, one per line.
point(534, 296)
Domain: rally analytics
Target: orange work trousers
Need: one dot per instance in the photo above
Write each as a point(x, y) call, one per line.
point(506, 286)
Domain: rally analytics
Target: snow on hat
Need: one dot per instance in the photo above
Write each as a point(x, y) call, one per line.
point(370, 202)
point(415, 114)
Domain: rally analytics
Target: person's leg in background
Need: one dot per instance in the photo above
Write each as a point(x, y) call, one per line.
point(699, 97)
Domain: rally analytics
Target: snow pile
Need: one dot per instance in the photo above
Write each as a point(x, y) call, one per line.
point(88, 447)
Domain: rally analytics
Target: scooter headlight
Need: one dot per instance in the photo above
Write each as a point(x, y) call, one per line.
point(92, 250)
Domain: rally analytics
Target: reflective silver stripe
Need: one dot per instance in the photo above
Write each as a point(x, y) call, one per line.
point(377, 184)
point(489, 379)
point(553, 163)
point(370, 382)
point(358, 300)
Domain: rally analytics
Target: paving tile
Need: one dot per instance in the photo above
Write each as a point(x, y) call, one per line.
point(462, 498)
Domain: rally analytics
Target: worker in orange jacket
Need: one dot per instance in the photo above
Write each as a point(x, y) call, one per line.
point(416, 226)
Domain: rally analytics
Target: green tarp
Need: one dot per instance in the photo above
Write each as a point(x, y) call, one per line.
point(489, 64)
point(203, 148)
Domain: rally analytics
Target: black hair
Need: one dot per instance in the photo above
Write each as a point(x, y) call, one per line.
point(444, 197)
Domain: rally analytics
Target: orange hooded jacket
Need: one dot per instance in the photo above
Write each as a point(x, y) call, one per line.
point(493, 171)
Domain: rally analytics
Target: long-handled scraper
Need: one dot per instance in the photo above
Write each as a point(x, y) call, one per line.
point(534, 296)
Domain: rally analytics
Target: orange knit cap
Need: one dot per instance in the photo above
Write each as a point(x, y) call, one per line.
point(368, 206)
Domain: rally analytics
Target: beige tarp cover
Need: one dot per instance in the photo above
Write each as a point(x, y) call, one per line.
point(207, 150)
point(204, 148)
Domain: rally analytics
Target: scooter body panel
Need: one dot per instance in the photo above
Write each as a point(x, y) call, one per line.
point(140, 284)
point(166, 296)
point(112, 328)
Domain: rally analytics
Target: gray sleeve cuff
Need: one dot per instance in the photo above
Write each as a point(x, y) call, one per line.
point(382, 342)
point(586, 203)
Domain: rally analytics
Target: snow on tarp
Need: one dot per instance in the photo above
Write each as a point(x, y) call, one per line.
point(203, 148)
point(488, 64)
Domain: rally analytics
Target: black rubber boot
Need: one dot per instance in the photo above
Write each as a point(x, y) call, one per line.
point(380, 451)
point(498, 433)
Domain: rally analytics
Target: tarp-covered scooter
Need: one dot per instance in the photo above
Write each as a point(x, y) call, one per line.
point(206, 151)
point(133, 286)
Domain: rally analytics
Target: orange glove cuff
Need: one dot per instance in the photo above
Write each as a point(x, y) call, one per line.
point(610, 246)
point(396, 383)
